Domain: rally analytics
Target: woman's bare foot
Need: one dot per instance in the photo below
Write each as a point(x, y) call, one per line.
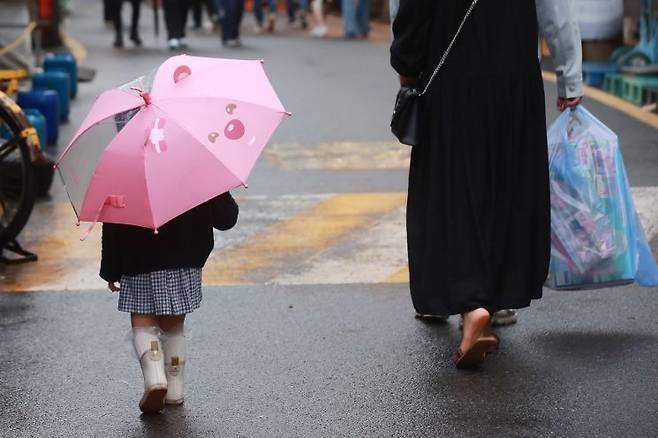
point(475, 323)
point(474, 347)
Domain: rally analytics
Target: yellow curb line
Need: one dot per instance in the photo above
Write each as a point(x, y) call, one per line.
point(611, 101)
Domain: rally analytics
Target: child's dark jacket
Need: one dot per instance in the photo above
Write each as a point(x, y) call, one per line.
point(185, 242)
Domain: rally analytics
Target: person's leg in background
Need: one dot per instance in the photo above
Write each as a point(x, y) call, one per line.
point(290, 9)
point(173, 20)
point(108, 15)
point(170, 10)
point(303, 13)
point(238, 21)
point(258, 15)
point(197, 13)
point(221, 12)
point(210, 10)
point(271, 16)
point(349, 19)
point(233, 11)
point(184, 10)
point(115, 11)
point(393, 6)
point(363, 17)
point(134, 24)
point(319, 24)
point(227, 21)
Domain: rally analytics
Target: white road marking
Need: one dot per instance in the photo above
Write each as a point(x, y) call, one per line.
point(371, 254)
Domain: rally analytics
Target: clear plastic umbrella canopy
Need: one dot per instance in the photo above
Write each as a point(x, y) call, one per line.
point(159, 146)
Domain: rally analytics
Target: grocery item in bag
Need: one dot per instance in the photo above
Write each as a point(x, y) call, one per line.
point(596, 237)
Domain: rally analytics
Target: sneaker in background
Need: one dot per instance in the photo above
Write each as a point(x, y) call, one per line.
point(233, 44)
point(504, 317)
point(439, 319)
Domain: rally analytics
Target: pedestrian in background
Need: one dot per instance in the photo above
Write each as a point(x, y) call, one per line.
point(356, 18)
point(197, 7)
point(115, 8)
point(108, 16)
point(272, 14)
point(318, 13)
point(159, 278)
point(175, 12)
point(303, 13)
point(230, 13)
point(478, 212)
point(260, 18)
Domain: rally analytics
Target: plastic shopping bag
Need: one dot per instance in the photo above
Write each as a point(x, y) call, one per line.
point(597, 239)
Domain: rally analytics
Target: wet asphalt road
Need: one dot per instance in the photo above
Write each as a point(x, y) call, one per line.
point(334, 361)
point(329, 360)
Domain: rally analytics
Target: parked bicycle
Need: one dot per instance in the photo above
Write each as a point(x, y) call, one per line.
point(20, 149)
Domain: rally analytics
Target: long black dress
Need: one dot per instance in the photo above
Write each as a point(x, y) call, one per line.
point(478, 213)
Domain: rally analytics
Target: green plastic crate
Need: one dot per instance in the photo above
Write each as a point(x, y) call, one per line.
point(634, 86)
point(613, 83)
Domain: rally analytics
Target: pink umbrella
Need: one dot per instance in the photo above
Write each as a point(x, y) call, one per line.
point(161, 145)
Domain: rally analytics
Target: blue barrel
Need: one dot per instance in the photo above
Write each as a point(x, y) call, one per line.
point(594, 72)
point(57, 81)
point(38, 122)
point(47, 102)
point(66, 63)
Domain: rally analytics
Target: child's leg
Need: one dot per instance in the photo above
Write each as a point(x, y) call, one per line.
point(150, 355)
point(145, 332)
point(174, 347)
point(172, 323)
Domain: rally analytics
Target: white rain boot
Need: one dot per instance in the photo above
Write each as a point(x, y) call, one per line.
point(151, 358)
point(174, 368)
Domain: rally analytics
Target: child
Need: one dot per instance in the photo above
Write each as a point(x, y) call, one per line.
point(160, 282)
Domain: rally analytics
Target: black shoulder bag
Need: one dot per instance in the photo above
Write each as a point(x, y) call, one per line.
point(407, 116)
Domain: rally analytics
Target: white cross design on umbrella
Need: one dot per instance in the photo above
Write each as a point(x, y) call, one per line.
point(157, 136)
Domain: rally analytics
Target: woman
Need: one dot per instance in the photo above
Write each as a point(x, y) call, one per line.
point(478, 213)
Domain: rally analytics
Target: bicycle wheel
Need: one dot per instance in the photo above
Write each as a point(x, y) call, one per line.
point(16, 171)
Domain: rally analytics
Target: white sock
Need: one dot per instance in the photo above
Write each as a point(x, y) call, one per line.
point(142, 338)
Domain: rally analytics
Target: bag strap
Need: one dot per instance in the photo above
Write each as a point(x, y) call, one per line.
point(447, 52)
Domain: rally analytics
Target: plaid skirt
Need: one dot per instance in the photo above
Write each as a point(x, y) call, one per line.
point(169, 292)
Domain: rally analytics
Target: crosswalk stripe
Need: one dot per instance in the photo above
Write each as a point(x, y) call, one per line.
point(342, 155)
point(263, 256)
point(290, 239)
point(367, 256)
